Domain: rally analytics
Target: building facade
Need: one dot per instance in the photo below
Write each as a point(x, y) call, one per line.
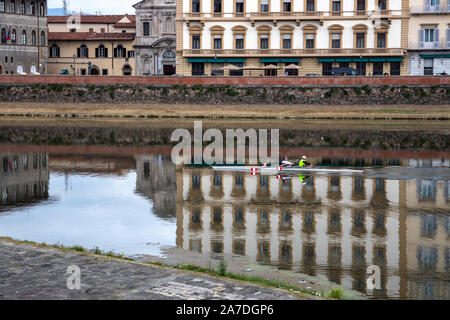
point(264, 37)
point(155, 37)
point(97, 45)
point(23, 34)
point(429, 37)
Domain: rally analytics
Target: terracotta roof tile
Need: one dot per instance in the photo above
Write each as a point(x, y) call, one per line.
point(93, 19)
point(89, 36)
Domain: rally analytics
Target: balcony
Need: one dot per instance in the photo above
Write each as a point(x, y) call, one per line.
point(428, 9)
point(430, 45)
point(293, 52)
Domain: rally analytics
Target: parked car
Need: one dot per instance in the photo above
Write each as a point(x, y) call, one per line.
point(344, 72)
point(313, 75)
point(441, 74)
point(64, 72)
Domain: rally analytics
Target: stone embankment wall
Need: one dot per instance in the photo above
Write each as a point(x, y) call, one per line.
point(227, 94)
point(365, 139)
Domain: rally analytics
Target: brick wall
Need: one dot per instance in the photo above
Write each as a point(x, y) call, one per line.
point(236, 81)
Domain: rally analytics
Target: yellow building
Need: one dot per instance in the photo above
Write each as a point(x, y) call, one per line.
point(93, 45)
point(299, 37)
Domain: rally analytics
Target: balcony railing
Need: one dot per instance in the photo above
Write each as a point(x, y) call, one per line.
point(291, 15)
point(430, 45)
point(428, 9)
point(293, 52)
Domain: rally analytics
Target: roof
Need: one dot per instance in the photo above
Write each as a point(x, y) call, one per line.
point(108, 19)
point(89, 36)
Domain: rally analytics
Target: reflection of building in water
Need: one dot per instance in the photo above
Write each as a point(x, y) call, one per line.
point(333, 227)
point(23, 177)
point(156, 179)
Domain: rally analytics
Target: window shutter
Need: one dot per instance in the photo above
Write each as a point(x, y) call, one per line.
point(115, 52)
point(438, 5)
point(106, 52)
point(57, 52)
point(87, 52)
point(436, 39)
point(78, 52)
point(421, 38)
point(96, 52)
point(448, 38)
point(124, 52)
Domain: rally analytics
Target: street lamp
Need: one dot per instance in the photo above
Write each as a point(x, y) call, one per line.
point(74, 65)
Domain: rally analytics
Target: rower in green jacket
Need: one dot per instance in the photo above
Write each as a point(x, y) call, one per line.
point(304, 163)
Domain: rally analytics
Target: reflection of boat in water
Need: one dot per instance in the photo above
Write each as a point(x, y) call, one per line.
point(399, 173)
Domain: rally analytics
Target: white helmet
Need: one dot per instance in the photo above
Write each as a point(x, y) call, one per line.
point(304, 157)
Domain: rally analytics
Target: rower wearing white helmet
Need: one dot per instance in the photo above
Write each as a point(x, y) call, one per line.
point(304, 162)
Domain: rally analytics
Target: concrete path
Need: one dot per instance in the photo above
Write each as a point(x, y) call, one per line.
point(30, 272)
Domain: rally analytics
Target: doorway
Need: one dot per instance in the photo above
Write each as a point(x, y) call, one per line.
point(94, 72)
point(169, 69)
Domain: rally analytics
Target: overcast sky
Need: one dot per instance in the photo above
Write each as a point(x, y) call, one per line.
point(91, 6)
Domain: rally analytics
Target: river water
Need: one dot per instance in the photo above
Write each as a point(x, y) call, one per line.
point(332, 226)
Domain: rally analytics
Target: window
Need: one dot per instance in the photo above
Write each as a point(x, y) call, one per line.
point(2, 6)
point(336, 40)
point(381, 40)
point(239, 41)
point(428, 67)
point(33, 37)
point(309, 42)
point(104, 72)
point(287, 41)
point(217, 42)
point(120, 52)
point(327, 68)
point(196, 6)
point(42, 40)
point(239, 6)
point(12, 6)
point(264, 6)
point(360, 40)
point(195, 41)
point(336, 6)
point(310, 5)
point(42, 9)
point(13, 36)
point(54, 51)
point(22, 7)
point(361, 5)
point(382, 4)
point(83, 52)
point(32, 8)
point(131, 54)
point(217, 6)
point(3, 37)
point(264, 41)
point(101, 52)
point(24, 37)
point(287, 5)
point(361, 68)
point(83, 72)
point(146, 29)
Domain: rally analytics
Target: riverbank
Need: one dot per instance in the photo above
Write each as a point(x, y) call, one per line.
point(232, 112)
point(33, 271)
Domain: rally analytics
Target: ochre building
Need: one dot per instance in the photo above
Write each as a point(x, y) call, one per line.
point(298, 37)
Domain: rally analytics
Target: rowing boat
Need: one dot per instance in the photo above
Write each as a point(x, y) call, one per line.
point(281, 170)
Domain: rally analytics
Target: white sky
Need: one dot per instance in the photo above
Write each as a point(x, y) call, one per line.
point(91, 6)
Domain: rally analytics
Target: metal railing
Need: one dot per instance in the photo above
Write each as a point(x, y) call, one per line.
point(428, 9)
point(429, 45)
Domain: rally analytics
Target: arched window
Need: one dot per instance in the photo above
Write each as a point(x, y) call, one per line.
point(127, 70)
point(2, 6)
point(12, 6)
point(32, 8)
point(13, 36)
point(22, 7)
point(33, 37)
point(3, 39)
point(54, 51)
point(42, 38)
point(24, 37)
point(101, 52)
point(42, 9)
point(169, 28)
point(120, 52)
point(83, 52)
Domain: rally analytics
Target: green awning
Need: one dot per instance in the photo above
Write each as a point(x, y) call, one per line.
point(360, 60)
point(343, 60)
point(269, 60)
point(191, 60)
point(326, 60)
point(215, 60)
point(290, 60)
point(446, 56)
point(377, 59)
point(235, 60)
point(431, 56)
point(394, 59)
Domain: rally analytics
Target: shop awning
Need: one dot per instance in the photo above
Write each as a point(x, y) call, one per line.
point(360, 60)
point(377, 59)
point(278, 60)
point(326, 59)
point(219, 60)
point(394, 59)
point(343, 60)
point(434, 56)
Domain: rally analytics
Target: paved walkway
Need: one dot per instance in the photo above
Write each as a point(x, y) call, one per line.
point(30, 272)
